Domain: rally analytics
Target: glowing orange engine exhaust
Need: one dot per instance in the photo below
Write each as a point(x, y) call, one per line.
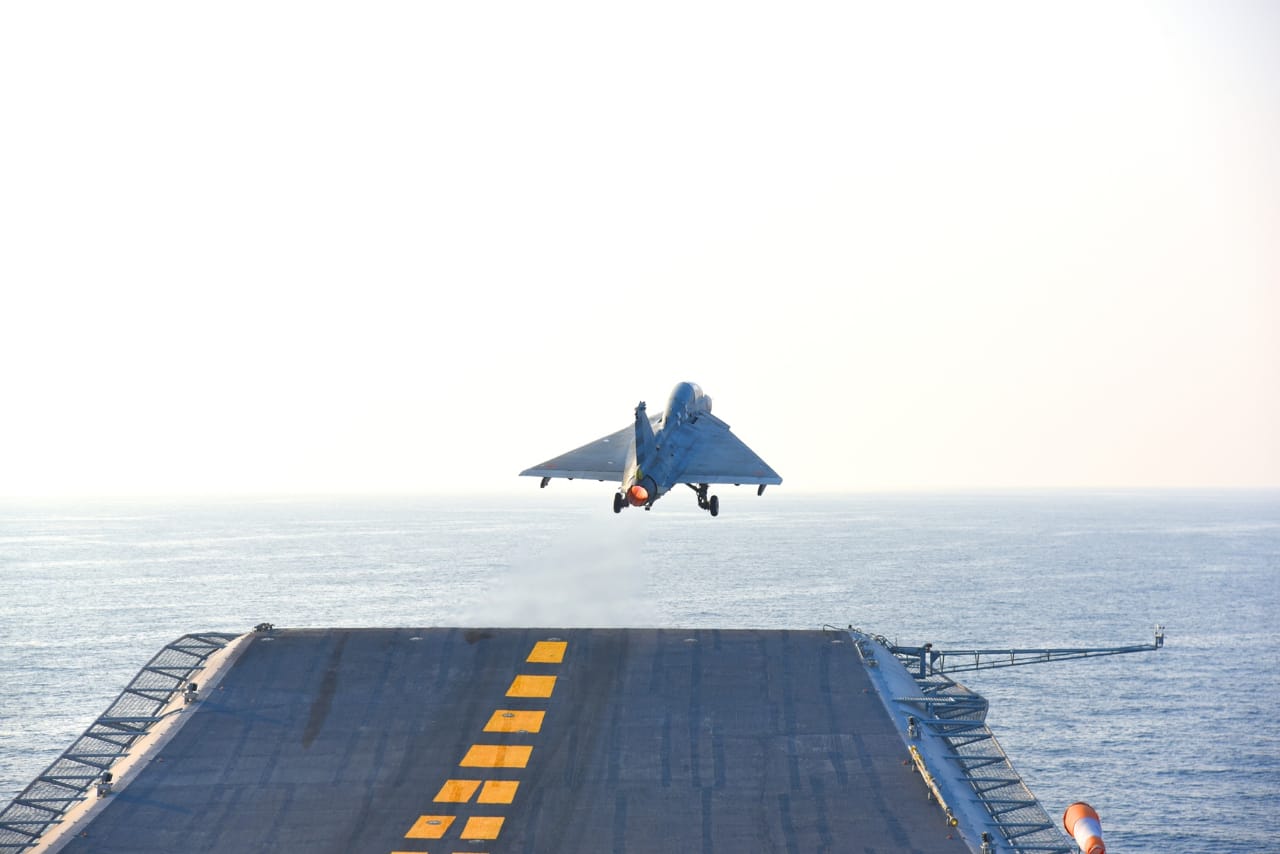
point(1082, 822)
point(637, 495)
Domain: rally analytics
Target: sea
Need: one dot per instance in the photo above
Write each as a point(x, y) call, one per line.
point(1177, 749)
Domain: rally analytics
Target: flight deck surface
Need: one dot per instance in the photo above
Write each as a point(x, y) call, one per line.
point(530, 740)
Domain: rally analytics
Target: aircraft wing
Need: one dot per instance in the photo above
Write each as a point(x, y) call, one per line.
point(718, 456)
point(603, 459)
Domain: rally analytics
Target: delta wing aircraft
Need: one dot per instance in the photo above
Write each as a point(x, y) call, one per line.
point(686, 444)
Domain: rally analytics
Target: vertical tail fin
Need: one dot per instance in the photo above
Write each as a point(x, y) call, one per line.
point(644, 434)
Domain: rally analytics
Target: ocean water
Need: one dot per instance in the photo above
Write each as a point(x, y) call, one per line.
point(1178, 750)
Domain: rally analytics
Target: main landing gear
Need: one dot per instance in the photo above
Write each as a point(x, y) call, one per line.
point(618, 502)
point(712, 504)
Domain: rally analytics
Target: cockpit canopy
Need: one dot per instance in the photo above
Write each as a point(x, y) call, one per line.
point(687, 402)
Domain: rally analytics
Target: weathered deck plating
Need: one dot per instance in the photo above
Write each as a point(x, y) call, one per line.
point(578, 740)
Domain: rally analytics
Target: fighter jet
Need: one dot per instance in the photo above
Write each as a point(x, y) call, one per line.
point(686, 444)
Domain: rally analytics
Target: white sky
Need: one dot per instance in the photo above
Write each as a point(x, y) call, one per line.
point(321, 247)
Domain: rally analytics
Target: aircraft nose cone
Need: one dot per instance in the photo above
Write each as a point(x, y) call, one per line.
point(637, 495)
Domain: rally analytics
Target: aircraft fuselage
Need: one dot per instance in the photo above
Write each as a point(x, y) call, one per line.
point(653, 463)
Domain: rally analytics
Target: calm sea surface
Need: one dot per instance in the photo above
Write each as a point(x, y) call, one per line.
point(1178, 750)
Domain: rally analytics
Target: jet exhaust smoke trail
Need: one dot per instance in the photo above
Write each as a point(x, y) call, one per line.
point(591, 575)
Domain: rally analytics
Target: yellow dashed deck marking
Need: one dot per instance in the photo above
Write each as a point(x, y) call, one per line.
point(483, 827)
point(532, 686)
point(498, 792)
point(510, 720)
point(457, 791)
point(547, 652)
point(424, 828)
point(453, 791)
point(497, 756)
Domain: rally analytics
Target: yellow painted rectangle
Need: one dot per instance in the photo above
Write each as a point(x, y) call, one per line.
point(430, 827)
point(498, 792)
point(483, 827)
point(532, 686)
point(457, 791)
point(547, 652)
point(512, 720)
point(497, 756)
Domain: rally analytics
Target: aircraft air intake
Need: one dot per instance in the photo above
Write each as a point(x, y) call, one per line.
point(637, 495)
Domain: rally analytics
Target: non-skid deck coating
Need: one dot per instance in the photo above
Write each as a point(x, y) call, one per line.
point(531, 740)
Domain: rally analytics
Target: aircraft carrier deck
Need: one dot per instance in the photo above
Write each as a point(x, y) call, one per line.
point(533, 740)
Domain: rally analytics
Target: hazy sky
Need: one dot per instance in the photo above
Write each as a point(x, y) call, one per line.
point(313, 247)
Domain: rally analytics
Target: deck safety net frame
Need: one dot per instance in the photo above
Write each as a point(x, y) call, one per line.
point(958, 716)
point(132, 715)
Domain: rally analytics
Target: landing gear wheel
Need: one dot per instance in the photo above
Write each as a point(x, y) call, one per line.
point(618, 502)
point(714, 505)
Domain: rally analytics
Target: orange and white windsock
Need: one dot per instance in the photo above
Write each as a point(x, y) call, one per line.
point(1082, 822)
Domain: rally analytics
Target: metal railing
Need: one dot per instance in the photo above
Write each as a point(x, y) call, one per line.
point(938, 658)
point(129, 717)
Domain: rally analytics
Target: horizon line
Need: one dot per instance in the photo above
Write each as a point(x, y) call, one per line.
point(278, 495)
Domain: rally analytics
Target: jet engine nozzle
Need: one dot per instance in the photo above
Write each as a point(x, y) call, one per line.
point(637, 495)
point(1082, 822)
